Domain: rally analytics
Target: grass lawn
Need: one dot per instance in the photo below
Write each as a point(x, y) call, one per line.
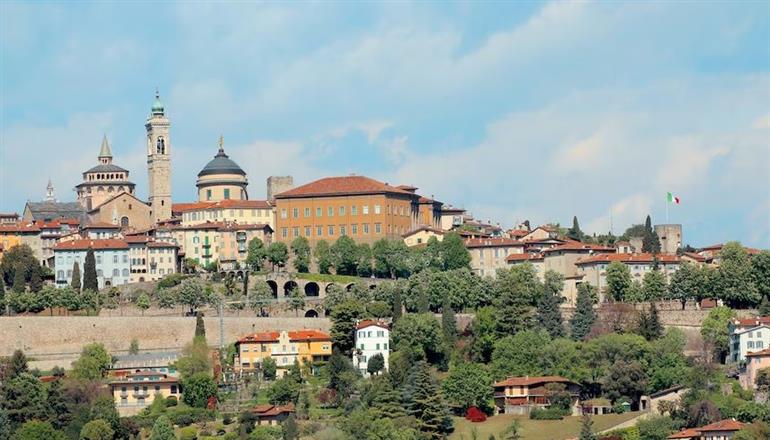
point(535, 429)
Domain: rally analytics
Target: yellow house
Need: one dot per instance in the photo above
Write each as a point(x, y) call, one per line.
point(9, 237)
point(137, 391)
point(303, 346)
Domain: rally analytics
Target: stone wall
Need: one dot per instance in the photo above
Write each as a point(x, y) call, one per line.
point(58, 340)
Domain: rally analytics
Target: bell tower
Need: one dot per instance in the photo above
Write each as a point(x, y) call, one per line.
point(159, 161)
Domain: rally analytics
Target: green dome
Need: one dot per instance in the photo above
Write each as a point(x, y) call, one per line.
point(157, 107)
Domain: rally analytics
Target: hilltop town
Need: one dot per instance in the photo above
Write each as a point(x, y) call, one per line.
point(349, 308)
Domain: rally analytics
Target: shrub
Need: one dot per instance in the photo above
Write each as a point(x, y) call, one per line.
point(188, 433)
point(171, 401)
point(548, 414)
point(227, 419)
point(475, 415)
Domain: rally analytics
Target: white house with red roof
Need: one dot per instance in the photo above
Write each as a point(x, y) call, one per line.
point(372, 338)
point(748, 335)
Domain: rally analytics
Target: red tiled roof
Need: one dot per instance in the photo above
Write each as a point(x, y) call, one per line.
point(685, 434)
point(531, 380)
point(337, 186)
point(109, 243)
point(629, 258)
point(524, 257)
point(308, 335)
point(224, 226)
point(267, 410)
point(578, 246)
point(230, 203)
point(369, 323)
point(260, 337)
point(518, 233)
point(751, 322)
point(423, 228)
point(21, 227)
point(765, 352)
point(719, 246)
point(492, 242)
point(694, 256)
point(722, 425)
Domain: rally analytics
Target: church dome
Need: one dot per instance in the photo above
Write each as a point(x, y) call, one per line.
point(221, 164)
point(157, 106)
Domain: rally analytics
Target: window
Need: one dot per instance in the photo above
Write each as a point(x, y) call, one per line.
point(284, 232)
point(377, 346)
point(319, 212)
point(98, 259)
point(227, 193)
point(342, 229)
point(208, 194)
point(295, 213)
point(60, 275)
point(760, 344)
point(125, 272)
point(365, 209)
point(125, 258)
point(751, 334)
point(115, 259)
point(376, 209)
point(759, 334)
point(342, 210)
point(380, 333)
point(283, 212)
point(307, 212)
point(173, 389)
point(362, 346)
point(99, 273)
point(295, 231)
point(354, 229)
point(366, 228)
point(750, 344)
point(307, 231)
point(330, 211)
point(115, 272)
point(354, 210)
point(319, 231)
point(385, 346)
point(331, 230)
point(377, 228)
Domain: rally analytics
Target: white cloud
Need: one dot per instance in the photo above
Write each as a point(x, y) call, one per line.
point(762, 122)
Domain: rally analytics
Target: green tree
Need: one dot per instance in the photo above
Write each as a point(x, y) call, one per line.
point(365, 264)
point(35, 280)
point(283, 391)
point(574, 232)
point(19, 257)
point(385, 401)
point(197, 389)
point(519, 355)
point(162, 429)
point(649, 325)
point(585, 316)
point(586, 428)
point(344, 318)
point(16, 365)
point(296, 300)
point(93, 363)
point(143, 302)
point(2, 297)
point(200, 326)
point(390, 258)
point(229, 285)
point(625, 380)
point(484, 334)
point(300, 248)
point(37, 430)
point(734, 282)
point(650, 240)
point(516, 290)
point(269, 368)
point(448, 323)
point(422, 333)
point(654, 284)
point(90, 281)
point(468, 385)
point(715, 333)
point(260, 297)
point(19, 280)
point(24, 398)
point(290, 429)
point(455, 254)
point(618, 280)
point(655, 428)
point(398, 305)
point(345, 256)
point(195, 358)
point(425, 403)
point(192, 293)
point(376, 364)
point(548, 311)
point(57, 405)
point(760, 269)
point(323, 256)
point(687, 283)
point(97, 430)
point(256, 254)
point(277, 254)
point(342, 374)
point(512, 431)
point(134, 347)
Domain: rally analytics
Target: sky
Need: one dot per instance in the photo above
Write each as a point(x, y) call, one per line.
point(512, 110)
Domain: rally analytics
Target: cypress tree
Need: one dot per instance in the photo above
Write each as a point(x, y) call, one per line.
point(584, 316)
point(397, 305)
point(246, 283)
point(35, 280)
point(200, 327)
point(2, 296)
point(650, 241)
point(448, 323)
point(549, 316)
point(75, 283)
point(574, 232)
point(649, 324)
point(90, 282)
point(19, 281)
point(162, 429)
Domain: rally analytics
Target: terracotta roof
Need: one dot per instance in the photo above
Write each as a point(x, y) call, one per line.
point(578, 246)
point(719, 246)
point(629, 258)
point(100, 225)
point(260, 337)
point(694, 256)
point(369, 323)
point(765, 352)
point(267, 410)
point(722, 425)
point(752, 322)
point(230, 203)
point(423, 228)
point(308, 335)
point(109, 243)
point(685, 434)
point(531, 380)
point(492, 242)
point(338, 186)
point(518, 233)
point(524, 257)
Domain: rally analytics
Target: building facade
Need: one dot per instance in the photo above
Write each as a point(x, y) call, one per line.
point(138, 390)
point(303, 346)
point(594, 268)
point(219, 241)
point(151, 260)
point(520, 395)
point(103, 181)
point(748, 335)
point(222, 179)
point(670, 237)
point(159, 162)
point(490, 254)
point(113, 266)
point(371, 338)
point(238, 211)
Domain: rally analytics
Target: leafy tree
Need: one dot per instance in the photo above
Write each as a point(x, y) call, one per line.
point(468, 385)
point(277, 254)
point(195, 358)
point(18, 257)
point(585, 316)
point(93, 363)
point(760, 269)
point(398, 305)
point(586, 428)
point(649, 325)
point(625, 380)
point(344, 318)
point(734, 282)
point(519, 355)
point(655, 428)
point(618, 280)
point(162, 429)
point(390, 258)
point(229, 285)
point(714, 330)
point(454, 252)
point(283, 391)
point(764, 307)
point(687, 283)
point(345, 256)
point(296, 300)
point(192, 294)
point(256, 254)
point(300, 247)
point(342, 374)
point(650, 240)
point(17, 365)
point(37, 430)
point(19, 280)
point(260, 297)
point(90, 281)
point(2, 297)
point(484, 334)
point(134, 347)
point(516, 290)
point(422, 333)
point(97, 430)
point(654, 284)
point(548, 312)
point(24, 398)
point(425, 403)
point(290, 429)
point(376, 364)
point(574, 232)
point(269, 368)
point(197, 389)
point(323, 256)
point(143, 302)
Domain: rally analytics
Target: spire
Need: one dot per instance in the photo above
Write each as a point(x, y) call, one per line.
point(49, 197)
point(157, 107)
point(221, 144)
point(105, 151)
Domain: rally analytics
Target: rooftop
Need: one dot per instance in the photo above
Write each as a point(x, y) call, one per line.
point(79, 245)
point(370, 323)
point(229, 204)
point(221, 164)
point(531, 380)
point(492, 242)
point(346, 185)
point(722, 425)
point(630, 258)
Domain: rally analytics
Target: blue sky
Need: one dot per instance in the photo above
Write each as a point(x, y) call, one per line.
point(513, 110)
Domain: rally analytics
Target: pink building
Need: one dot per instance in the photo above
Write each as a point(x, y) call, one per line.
point(755, 361)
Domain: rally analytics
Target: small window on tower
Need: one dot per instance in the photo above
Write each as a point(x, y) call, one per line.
point(227, 193)
point(208, 194)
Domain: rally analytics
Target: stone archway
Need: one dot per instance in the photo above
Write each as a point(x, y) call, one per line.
point(311, 314)
point(273, 287)
point(349, 287)
point(312, 289)
point(329, 287)
point(288, 287)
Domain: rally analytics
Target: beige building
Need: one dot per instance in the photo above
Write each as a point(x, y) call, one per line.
point(220, 241)
point(490, 254)
point(536, 260)
point(562, 258)
point(151, 260)
point(594, 268)
point(124, 210)
point(237, 211)
point(421, 235)
point(451, 217)
point(222, 179)
point(138, 390)
point(103, 181)
point(159, 162)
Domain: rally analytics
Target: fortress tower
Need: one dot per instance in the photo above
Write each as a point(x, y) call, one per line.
point(159, 162)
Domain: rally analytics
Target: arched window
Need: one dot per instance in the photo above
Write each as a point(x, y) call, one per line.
point(124, 221)
point(161, 145)
point(125, 272)
point(115, 272)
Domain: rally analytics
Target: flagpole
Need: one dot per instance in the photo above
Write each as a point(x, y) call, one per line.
point(666, 209)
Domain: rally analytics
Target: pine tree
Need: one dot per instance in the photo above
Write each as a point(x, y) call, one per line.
point(584, 316)
point(386, 401)
point(649, 325)
point(397, 305)
point(75, 283)
point(650, 240)
point(162, 429)
point(586, 428)
point(90, 281)
point(448, 323)
point(200, 327)
point(574, 232)
point(425, 404)
point(548, 312)
point(56, 406)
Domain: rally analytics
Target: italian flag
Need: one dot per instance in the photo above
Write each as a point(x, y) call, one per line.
point(672, 199)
